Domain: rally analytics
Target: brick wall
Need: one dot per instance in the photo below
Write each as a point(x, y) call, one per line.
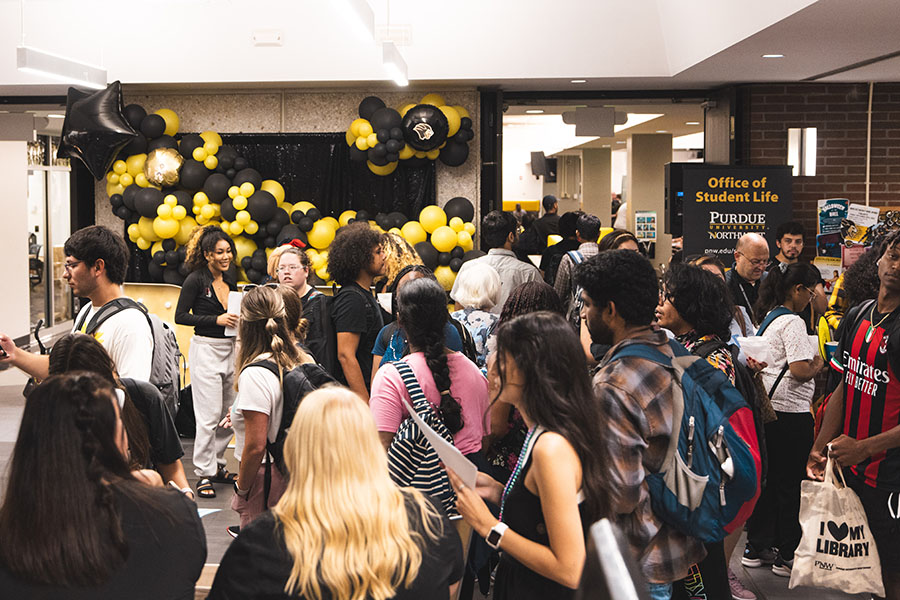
point(838, 111)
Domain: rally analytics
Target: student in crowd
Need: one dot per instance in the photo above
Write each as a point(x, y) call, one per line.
point(290, 266)
point(619, 239)
point(355, 259)
point(551, 257)
point(751, 255)
point(741, 324)
point(557, 490)
point(860, 427)
point(476, 294)
point(95, 266)
point(293, 316)
point(367, 539)
point(153, 441)
point(76, 522)
point(587, 230)
point(635, 397)
point(498, 235)
point(789, 382)
point(398, 256)
point(203, 305)
point(858, 283)
point(256, 417)
point(789, 240)
point(391, 343)
point(449, 380)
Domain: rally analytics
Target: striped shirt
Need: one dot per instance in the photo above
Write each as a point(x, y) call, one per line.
point(636, 399)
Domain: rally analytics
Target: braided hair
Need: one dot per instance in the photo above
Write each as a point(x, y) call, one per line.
point(422, 316)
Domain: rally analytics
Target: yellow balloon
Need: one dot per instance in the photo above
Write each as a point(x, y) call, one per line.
point(245, 247)
point(287, 207)
point(321, 235)
point(135, 164)
point(171, 200)
point(361, 143)
point(463, 113)
point(164, 211)
point(117, 188)
point(141, 180)
point(444, 239)
point(185, 228)
point(350, 137)
point(274, 188)
point(211, 162)
point(355, 125)
point(456, 224)
point(445, 276)
point(200, 198)
point(212, 136)
point(433, 99)
point(165, 228)
point(211, 148)
point(432, 154)
point(235, 228)
point(156, 247)
point(406, 152)
point(396, 231)
point(304, 206)
point(403, 109)
point(217, 209)
point(233, 191)
point(119, 167)
point(413, 232)
point(239, 202)
point(125, 179)
point(420, 154)
point(464, 240)
point(207, 211)
point(345, 217)
point(247, 189)
point(385, 170)
point(332, 222)
point(469, 228)
point(179, 212)
point(112, 177)
point(432, 217)
point(171, 119)
point(199, 154)
point(145, 227)
point(322, 273)
point(133, 231)
point(242, 217)
point(201, 220)
point(372, 140)
point(142, 243)
point(365, 128)
point(452, 119)
point(251, 228)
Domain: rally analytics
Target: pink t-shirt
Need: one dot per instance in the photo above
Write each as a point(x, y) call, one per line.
point(467, 385)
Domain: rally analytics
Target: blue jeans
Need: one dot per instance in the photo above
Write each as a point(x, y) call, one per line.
point(660, 591)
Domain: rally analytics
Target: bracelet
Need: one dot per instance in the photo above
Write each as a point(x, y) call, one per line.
point(239, 491)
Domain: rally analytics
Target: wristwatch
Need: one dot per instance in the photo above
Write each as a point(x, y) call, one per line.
point(496, 534)
point(239, 491)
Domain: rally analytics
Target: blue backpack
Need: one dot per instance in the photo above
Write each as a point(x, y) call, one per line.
point(709, 481)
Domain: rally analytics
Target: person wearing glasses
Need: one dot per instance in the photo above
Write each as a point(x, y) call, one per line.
point(751, 255)
point(95, 265)
point(788, 379)
point(203, 304)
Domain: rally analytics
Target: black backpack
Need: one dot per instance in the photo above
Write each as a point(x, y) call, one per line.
point(295, 385)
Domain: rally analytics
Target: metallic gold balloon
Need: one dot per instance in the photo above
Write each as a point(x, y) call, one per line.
point(162, 166)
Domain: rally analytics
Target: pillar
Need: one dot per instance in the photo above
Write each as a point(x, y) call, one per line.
point(15, 316)
point(596, 178)
point(645, 187)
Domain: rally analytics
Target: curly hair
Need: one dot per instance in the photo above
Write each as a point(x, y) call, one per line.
point(398, 254)
point(624, 277)
point(351, 251)
point(530, 297)
point(422, 316)
point(202, 241)
point(861, 280)
point(700, 298)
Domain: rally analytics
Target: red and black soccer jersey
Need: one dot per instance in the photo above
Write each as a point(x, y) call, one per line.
point(868, 355)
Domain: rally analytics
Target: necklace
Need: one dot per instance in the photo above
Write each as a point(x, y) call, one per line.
point(523, 458)
point(871, 330)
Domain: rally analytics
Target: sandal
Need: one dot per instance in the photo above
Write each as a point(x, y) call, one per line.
point(205, 488)
point(223, 476)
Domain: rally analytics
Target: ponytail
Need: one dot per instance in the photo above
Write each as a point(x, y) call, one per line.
point(777, 285)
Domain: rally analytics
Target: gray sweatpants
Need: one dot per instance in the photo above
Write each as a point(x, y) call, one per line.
point(212, 387)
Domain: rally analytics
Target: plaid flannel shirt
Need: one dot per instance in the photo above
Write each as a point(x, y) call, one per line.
point(635, 396)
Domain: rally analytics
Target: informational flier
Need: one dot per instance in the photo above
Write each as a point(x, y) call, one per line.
point(645, 225)
point(830, 269)
point(863, 216)
point(234, 308)
point(448, 453)
point(831, 212)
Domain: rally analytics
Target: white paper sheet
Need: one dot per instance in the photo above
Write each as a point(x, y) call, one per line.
point(756, 348)
point(863, 215)
point(384, 301)
point(447, 452)
point(234, 308)
point(207, 511)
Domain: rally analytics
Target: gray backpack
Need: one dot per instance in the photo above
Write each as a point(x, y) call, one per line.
point(165, 367)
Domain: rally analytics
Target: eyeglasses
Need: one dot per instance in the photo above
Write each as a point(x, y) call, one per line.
point(288, 268)
point(756, 262)
point(812, 292)
point(68, 266)
point(664, 296)
point(253, 286)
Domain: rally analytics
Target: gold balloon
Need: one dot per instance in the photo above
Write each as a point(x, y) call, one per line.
point(162, 166)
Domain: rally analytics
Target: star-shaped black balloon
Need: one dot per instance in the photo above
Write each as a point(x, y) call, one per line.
point(95, 130)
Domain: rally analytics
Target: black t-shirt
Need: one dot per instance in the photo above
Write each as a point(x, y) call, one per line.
point(198, 305)
point(165, 445)
point(551, 257)
point(167, 549)
point(356, 311)
point(257, 564)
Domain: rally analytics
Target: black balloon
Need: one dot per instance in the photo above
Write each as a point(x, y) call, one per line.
point(391, 157)
point(455, 263)
point(230, 173)
point(381, 220)
point(189, 143)
point(376, 158)
point(147, 201)
point(228, 209)
point(216, 187)
point(473, 254)
point(305, 224)
point(240, 163)
point(288, 233)
point(123, 213)
point(369, 106)
point(465, 123)
point(457, 252)
point(358, 155)
point(136, 146)
point(182, 253)
point(444, 258)
point(254, 275)
point(297, 215)
point(314, 214)
point(393, 146)
point(155, 271)
point(193, 175)
point(248, 175)
point(116, 201)
point(153, 126)
point(262, 206)
point(163, 141)
point(425, 127)
point(272, 228)
point(184, 199)
point(134, 114)
point(258, 263)
point(396, 219)
point(383, 135)
point(171, 257)
point(172, 276)
point(281, 216)
point(184, 270)
point(428, 254)
point(362, 215)
point(245, 262)
point(397, 133)
point(129, 194)
point(159, 257)
point(226, 156)
point(454, 154)
point(169, 245)
point(459, 207)
point(385, 119)
point(95, 130)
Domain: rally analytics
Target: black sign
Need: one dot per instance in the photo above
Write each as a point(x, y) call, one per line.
point(722, 203)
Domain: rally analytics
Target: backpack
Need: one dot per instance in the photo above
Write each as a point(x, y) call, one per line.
point(576, 303)
point(295, 385)
point(468, 342)
point(776, 312)
point(165, 367)
point(412, 460)
point(709, 480)
point(321, 339)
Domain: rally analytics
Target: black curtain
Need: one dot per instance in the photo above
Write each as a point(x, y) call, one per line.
point(316, 167)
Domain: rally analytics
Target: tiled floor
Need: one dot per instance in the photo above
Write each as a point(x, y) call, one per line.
point(762, 581)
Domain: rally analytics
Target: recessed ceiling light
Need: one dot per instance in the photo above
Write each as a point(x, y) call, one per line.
point(579, 81)
point(692, 122)
point(620, 142)
point(662, 131)
point(605, 145)
point(534, 111)
point(773, 55)
point(56, 116)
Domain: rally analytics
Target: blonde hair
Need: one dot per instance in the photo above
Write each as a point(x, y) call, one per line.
point(344, 522)
point(398, 253)
point(275, 258)
point(264, 329)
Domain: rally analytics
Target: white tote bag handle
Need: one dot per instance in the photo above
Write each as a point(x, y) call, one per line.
point(829, 471)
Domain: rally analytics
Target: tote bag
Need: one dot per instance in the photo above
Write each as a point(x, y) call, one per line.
point(837, 550)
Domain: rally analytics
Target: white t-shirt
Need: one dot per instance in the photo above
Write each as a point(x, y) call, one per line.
point(127, 338)
point(258, 390)
point(790, 343)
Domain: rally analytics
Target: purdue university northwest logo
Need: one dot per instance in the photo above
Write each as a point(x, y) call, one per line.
point(424, 131)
